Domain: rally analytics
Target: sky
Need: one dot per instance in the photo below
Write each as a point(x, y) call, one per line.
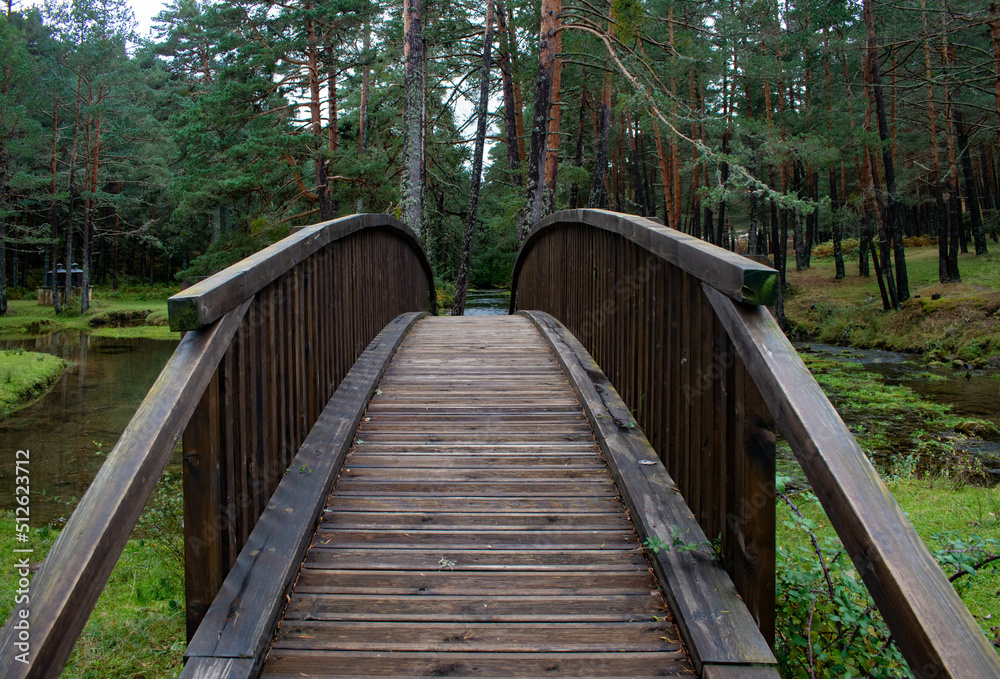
point(144, 11)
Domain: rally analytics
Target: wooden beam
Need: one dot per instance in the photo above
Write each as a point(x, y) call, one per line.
point(737, 277)
point(716, 625)
point(209, 299)
point(77, 567)
point(929, 622)
point(241, 621)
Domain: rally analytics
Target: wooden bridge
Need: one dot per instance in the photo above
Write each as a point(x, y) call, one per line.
point(370, 490)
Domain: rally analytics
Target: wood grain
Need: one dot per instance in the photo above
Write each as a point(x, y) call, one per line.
point(712, 618)
point(491, 543)
point(240, 621)
point(209, 299)
point(929, 622)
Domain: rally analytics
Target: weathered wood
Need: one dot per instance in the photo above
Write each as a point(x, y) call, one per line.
point(929, 622)
point(716, 625)
point(77, 567)
point(241, 619)
point(204, 569)
point(490, 637)
point(488, 545)
point(288, 664)
point(647, 323)
point(219, 668)
point(209, 299)
point(738, 277)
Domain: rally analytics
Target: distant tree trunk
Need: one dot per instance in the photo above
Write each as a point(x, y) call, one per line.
point(363, 109)
point(955, 227)
point(413, 152)
point(598, 191)
point(472, 216)
point(53, 207)
point(518, 94)
point(552, 143)
point(510, 103)
point(574, 193)
point(942, 211)
point(547, 50)
point(971, 194)
point(891, 215)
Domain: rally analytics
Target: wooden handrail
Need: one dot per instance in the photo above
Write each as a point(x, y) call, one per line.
point(932, 627)
point(630, 291)
point(738, 277)
point(706, 371)
point(74, 573)
point(270, 340)
point(209, 299)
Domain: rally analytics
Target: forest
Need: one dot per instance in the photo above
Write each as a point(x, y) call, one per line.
point(748, 123)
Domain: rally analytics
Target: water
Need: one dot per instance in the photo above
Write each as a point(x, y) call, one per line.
point(485, 303)
point(970, 393)
point(83, 415)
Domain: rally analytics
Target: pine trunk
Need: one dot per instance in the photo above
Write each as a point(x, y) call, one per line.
point(472, 216)
point(412, 189)
point(547, 51)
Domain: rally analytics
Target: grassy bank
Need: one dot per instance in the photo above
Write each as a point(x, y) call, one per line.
point(140, 312)
point(26, 375)
point(963, 322)
point(137, 629)
point(844, 633)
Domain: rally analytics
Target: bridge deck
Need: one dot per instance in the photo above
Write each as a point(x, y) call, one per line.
point(475, 529)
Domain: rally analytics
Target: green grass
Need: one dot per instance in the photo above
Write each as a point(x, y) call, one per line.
point(26, 318)
point(26, 375)
point(137, 628)
point(940, 513)
point(964, 322)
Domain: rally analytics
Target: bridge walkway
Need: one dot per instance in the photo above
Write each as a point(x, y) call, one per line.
point(475, 529)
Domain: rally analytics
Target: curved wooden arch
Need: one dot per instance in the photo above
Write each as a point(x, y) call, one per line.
point(212, 298)
point(680, 329)
point(737, 277)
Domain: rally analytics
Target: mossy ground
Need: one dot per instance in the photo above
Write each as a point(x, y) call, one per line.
point(964, 322)
point(26, 318)
point(26, 375)
point(940, 512)
point(137, 628)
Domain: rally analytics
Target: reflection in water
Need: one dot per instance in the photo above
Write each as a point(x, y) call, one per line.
point(484, 303)
point(83, 415)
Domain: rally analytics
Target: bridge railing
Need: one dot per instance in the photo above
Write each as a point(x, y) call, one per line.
point(268, 340)
point(681, 329)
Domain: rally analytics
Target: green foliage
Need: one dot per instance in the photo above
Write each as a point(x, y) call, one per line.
point(827, 624)
point(230, 249)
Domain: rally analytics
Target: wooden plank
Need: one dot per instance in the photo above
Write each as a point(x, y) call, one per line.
point(738, 672)
point(737, 277)
point(204, 569)
point(289, 664)
point(469, 521)
point(240, 622)
point(589, 505)
point(208, 300)
point(929, 622)
point(71, 578)
point(579, 583)
point(475, 559)
point(434, 528)
point(219, 668)
point(520, 637)
point(435, 608)
point(716, 625)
